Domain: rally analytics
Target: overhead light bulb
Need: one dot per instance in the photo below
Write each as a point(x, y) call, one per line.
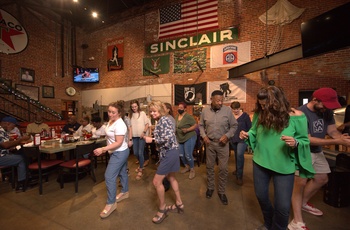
point(94, 14)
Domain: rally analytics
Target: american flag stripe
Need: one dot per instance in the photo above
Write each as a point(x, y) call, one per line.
point(196, 15)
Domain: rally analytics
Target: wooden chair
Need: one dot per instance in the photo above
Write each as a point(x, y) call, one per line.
point(38, 167)
point(79, 165)
point(8, 171)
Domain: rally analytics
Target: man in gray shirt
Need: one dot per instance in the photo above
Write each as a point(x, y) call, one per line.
point(217, 125)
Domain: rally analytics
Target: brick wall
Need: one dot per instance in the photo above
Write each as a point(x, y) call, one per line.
point(331, 69)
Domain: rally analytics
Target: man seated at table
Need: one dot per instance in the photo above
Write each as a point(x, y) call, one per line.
point(71, 126)
point(98, 129)
point(14, 131)
point(37, 126)
point(9, 155)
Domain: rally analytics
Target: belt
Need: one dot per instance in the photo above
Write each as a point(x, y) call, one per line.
point(214, 140)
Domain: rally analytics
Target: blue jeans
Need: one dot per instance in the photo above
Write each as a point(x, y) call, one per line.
point(11, 159)
point(117, 165)
point(239, 149)
point(138, 146)
point(274, 217)
point(186, 151)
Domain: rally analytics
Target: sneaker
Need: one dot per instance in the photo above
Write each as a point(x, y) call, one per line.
point(262, 227)
point(311, 209)
point(297, 226)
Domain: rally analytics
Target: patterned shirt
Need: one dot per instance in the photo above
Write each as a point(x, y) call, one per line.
point(164, 135)
point(3, 138)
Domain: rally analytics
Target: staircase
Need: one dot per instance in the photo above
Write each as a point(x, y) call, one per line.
point(17, 104)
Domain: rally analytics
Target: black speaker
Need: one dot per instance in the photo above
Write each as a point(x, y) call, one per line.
point(84, 46)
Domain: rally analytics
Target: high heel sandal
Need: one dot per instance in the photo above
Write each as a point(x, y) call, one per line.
point(178, 208)
point(105, 213)
point(139, 175)
point(159, 219)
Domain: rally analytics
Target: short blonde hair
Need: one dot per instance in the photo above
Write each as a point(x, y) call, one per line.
point(159, 106)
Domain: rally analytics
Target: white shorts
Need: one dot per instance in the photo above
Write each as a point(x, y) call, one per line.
point(320, 163)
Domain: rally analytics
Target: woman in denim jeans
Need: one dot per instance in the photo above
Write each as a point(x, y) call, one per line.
point(238, 145)
point(139, 126)
point(279, 140)
point(187, 137)
point(117, 147)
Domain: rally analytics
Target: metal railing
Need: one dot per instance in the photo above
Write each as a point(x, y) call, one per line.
point(19, 105)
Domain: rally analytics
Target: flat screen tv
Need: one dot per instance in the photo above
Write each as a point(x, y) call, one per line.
point(327, 32)
point(86, 75)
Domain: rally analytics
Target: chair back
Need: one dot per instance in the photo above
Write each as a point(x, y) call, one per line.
point(31, 154)
point(83, 149)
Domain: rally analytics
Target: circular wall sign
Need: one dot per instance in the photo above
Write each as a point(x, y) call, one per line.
point(13, 36)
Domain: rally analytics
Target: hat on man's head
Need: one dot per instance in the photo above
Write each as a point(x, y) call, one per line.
point(328, 97)
point(217, 92)
point(10, 119)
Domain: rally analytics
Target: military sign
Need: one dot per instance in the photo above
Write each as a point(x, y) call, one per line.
point(156, 65)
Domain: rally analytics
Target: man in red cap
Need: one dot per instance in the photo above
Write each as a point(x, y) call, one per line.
point(319, 113)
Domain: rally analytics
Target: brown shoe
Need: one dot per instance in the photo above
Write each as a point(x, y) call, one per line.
point(239, 181)
point(145, 163)
point(186, 169)
point(192, 174)
point(234, 172)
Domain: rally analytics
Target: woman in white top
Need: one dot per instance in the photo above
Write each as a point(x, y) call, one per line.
point(85, 127)
point(117, 147)
point(139, 126)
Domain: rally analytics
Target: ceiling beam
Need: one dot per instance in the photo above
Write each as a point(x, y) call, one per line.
point(284, 56)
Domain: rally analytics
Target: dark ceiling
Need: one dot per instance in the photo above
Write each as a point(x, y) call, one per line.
point(79, 13)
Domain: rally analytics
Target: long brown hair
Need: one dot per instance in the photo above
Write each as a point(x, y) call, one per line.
point(138, 108)
point(275, 114)
point(119, 107)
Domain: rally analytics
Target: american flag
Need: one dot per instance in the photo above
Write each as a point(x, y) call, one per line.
point(188, 17)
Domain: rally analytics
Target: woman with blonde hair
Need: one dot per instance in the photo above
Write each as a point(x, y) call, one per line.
point(165, 139)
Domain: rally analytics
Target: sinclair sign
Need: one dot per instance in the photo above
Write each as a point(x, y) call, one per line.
point(194, 41)
point(13, 36)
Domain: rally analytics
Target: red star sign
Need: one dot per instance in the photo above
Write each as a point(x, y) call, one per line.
point(7, 32)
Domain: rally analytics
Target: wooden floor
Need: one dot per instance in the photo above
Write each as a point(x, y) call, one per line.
point(63, 209)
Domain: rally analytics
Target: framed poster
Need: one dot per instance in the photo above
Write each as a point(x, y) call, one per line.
point(8, 83)
point(30, 91)
point(48, 91)
point(27, 75)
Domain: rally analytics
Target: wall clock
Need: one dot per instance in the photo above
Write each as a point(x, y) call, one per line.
point(71, 91)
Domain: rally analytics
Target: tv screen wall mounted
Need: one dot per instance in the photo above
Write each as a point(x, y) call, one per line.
point(86, 75)
point(327, 32)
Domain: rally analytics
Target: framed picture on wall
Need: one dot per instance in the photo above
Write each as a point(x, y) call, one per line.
point(27, 75)
point(30, 91)
point(48, 91)
point(8, 83)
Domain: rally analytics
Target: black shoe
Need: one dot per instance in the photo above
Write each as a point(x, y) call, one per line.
point(223, 199)
point(209, 193)
point(21, 186)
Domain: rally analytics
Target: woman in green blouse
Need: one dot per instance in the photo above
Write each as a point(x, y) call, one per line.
point(279, 140)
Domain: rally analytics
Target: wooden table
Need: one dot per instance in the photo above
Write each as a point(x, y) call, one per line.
point(54, 146)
